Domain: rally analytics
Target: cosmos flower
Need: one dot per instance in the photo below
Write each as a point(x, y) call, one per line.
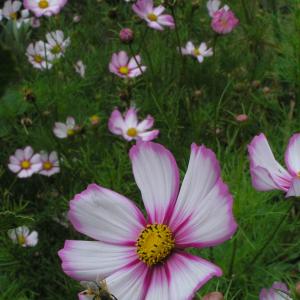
point(224, 21)
point(44, 7)
point(129, 127)
point(22, 236)
point(124, 67)
point(146, 257)
point(39, 56)
point(199, 53)
point(80, 68)
point(25, 163)
point(12, 11)
point(64, 130)
point(267, 174)
point(278, 291)
point(153, 15)
point(56, 44)
point(50, 163)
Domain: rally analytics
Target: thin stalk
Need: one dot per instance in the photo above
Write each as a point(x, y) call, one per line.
point(233, 256)
point(176, 30)
point(272, 236)
point(134, 57)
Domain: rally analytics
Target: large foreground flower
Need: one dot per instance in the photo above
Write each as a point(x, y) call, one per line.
point(267, 174)
point(143, 258)
point(278, 291)
point(153, 15)
point(129, 127)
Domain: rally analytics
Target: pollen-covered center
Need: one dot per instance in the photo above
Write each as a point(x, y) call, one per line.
point(38, 58)
point(152, 17)
point(13, 16)
point(25, 164)
point(21, 239)
point(124, 70)
point(197, 52)
point(56, 49)
point(43, 4)
point(47, 165)
point(155, 244)
point(132, 132)
point(70, 132)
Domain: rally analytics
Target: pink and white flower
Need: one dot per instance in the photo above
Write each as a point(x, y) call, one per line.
point(56, 43)
point(213, 6)
point(45, 7)
point(129, 127)
point(39, 56)
point(64, 130)
point(146, 257)
point(153, 15)
point(197, 52)
point(12, 11)
point(124, 67)
point(50, 163)
point(267, 174)
point(24, 162)
point(80, 68)
point(23, 237)
point(278, 291)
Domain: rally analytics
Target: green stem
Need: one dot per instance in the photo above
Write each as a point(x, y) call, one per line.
point(232, 260)
point(134, 57)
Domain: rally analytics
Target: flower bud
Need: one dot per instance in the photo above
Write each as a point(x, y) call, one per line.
point(241, 118)
point(213, 296)
point(126, 35)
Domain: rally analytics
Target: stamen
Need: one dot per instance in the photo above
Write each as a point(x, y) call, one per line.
point(56, 49)
point(152, 17)
point(132, 132)
point(70, 132)
point(38, 58)
point(13, 16)
point(21, 239)
point(43, 4)
point(25, 164)
point(155, 244)
point(124, 70)
point(197, 52)
point(47, 165)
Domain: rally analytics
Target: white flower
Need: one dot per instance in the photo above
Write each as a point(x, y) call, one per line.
point(200, 52)
point(64, 130)
point(39, 56)
point(25, 163)
point(23, 237)
point(56, 44)
point(50, 163)
point(12, 11)
point(80, 68)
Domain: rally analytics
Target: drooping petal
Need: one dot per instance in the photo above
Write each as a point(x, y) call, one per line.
point(155, 25)
point(157, 176)
point(148, 136)
point(203, 214)
point(262, 158)
point(292, 155)
point(91, 260)
point(180, 277)
point(129, 282)
point(166, 20)
point(106, 216)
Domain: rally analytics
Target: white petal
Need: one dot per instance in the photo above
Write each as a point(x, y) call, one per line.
point(32, 239)
point(292, 155)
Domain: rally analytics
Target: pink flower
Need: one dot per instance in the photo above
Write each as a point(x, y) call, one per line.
point(25, 163)
point(129, 127)
point(44, 7)
point(224, 21)
point(241, 118)
point(124, 67)
point(50, 163)
point(278, 291)
point(146, 257)
point(267, 174)
point(22, 236)
point(64, 130)
point(198, 52)
point(153, 15)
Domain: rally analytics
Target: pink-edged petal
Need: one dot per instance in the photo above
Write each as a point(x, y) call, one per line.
point(158, 10)
point(292, 155)
point(116, 123)
point(106, 216)
point(146, 124)
point(91, 260)
point(131, 118)
point(180, 277)
point(157, 176)
point(155, 25)
point(122, 58)
point(130, 282)
point(203, 214)
point(166, 20)
point(294, 190)
point(149, 135)
point(262, 158)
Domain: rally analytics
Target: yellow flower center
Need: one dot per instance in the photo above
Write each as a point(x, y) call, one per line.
point(13, 16)
point(155, 243)
point(25, 164)
point(197, 52)
point(124, 70)
point(94, 119)
point(132, 132)
point(21, 239)
point(43, 4)
point(56, 49)
point(152, 17)
point(38, 58)
point(70, 132)
point(47, 165)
